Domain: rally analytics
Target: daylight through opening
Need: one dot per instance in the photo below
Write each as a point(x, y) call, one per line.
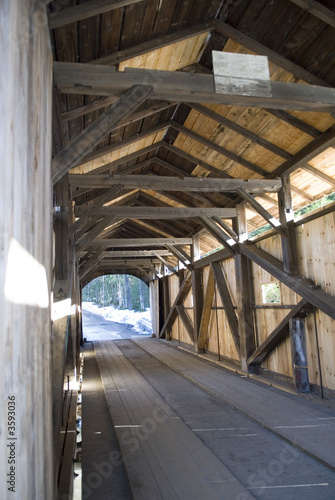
point(116, 306)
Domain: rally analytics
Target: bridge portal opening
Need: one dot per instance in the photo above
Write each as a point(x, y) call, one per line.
point(116, 306)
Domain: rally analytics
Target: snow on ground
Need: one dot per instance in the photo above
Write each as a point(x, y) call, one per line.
point(141, 321)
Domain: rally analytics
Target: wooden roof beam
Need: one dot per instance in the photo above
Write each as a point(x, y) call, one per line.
point(187, 184)
point(295, 122)
point(240, 130)
point(262, 212)
point(154, 44)
point(112, 254)
point(141, 242)
point(109, 167)
point(318, 10)
point(273, 56)
point(157, 213)
point(219, 149)
point(91, 79)
point(76, 150)
point(168, 265)
point(324, 141)
point(125, 142)
point(196, 161)
point(86, 10)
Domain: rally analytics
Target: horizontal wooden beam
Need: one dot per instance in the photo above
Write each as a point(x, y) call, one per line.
point(162, 212)
point(141, 242)
point(318, 10)
point(86, 10)
point(128, 262)
point(81, 145)
point(159, 182)
point(154, 44)
point(91, 79)
point(134, 253)
point(276, 337)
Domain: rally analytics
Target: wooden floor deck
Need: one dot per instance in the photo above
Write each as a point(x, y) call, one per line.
point(183, 432)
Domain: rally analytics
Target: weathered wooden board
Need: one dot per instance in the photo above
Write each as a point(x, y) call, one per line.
point(26, 251)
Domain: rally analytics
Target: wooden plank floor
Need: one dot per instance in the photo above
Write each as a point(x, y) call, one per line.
point(178, 441)
point(308, 425)
point(103, 474)
point(164, 459)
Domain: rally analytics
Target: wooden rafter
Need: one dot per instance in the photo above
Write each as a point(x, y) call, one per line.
point(318, 10)
point(126, 142)
point(219, 149)
point(168, 265)
point(196, 161)
point(262, 212)
point(240, 130)
point(89, 9)
point(76, 150)
point(327, 139)
point(273, 56)
point(154, 44)
point(184, 259)
point(86, 239)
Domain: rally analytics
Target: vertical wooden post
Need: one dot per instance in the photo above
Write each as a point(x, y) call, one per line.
point(25, 253)
point(61, 224)
point(198, 303)
point(154, 306)
point(197, 291)
point(299, 354)
point(166, 303)
point(289, 248)
point(244, 295)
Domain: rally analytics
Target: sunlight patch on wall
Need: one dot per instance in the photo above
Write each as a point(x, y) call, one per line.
point(26, 279)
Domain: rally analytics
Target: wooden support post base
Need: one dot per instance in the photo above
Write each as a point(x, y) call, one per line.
point(299, 354)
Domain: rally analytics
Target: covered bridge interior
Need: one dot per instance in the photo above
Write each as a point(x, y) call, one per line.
point(156, 138)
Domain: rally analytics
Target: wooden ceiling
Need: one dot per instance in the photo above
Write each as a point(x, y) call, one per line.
point(181, 134)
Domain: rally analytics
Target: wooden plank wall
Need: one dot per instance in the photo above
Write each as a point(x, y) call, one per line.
point(316, 257)
point(25, 250)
